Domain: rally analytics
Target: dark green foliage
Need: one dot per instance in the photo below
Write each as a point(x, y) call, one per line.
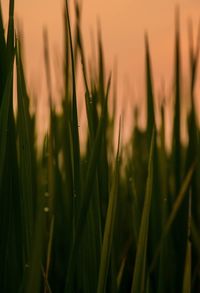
point(95, 221)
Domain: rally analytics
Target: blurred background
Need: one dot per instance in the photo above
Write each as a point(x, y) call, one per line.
point(123, 24)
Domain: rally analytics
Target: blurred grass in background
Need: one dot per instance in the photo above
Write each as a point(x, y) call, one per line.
point(97, 221)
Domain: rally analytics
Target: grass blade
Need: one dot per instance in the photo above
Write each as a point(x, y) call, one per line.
point(188, 258)
point(109, 227)
point(149, 93)
point(75, 134)
point(4, 120)
point(25, 156)
point(183, 190)
point(86, 196)
point(139, 275)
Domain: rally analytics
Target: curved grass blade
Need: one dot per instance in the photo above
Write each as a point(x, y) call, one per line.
point(181, 195)
point(139, 275)
point(194, 58)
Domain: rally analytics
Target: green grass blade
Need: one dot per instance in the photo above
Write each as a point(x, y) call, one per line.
point(109, 227)
point(181, 195)
point(149, 93)
point(4, 120)
point(10, 35)
point(193, 57)
point(35, 269)
point(188, 258)
point(49, 251)
point(2, 57)
point(140, 268)
point(52, 128)
point(101, 77)
point(88, 99)
point(195, 236)
point(91, 173)
point(75, 134)
point(25, 156)
point(176, 127)
point(10, 210)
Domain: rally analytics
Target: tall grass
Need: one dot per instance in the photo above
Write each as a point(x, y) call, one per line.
point(95, 222)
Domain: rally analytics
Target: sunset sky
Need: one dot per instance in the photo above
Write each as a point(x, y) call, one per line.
point(123, 24)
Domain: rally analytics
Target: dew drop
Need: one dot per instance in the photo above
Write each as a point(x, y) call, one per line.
point(46, 209)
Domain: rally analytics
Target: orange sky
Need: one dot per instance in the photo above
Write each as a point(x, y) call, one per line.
point(123, 25)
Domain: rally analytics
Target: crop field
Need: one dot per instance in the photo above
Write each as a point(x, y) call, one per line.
point(114, 218)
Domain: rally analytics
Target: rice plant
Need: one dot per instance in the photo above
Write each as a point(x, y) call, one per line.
point(95, 221)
